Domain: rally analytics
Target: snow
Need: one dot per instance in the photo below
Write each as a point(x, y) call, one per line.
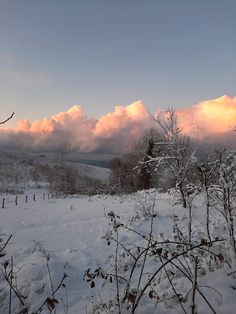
point(94, 172)
point(73, 231)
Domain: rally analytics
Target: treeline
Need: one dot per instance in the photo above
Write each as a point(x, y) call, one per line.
point(58, 175)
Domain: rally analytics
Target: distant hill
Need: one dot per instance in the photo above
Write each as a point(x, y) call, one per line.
point(87, 167)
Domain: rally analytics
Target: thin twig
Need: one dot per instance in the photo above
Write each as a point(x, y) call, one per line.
point(116, 271)
point(49, 274)
point(145, 255)
point(190, 279)
point(164, 264)
point(12, 287)
point(2, 122)
point(5, 244)
point(11, 277)
point(173, 288)
point(114, 275)
point(53, 293)
point(194, 285)
point(123, 247)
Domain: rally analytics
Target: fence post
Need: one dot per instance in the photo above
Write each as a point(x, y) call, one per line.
point(3, 202)
point(16, 200)
point(26, 198)
point(34, 197)
point(43, 196)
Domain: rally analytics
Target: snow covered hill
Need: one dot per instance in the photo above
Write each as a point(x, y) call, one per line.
point(77, 234)
point(20, 170)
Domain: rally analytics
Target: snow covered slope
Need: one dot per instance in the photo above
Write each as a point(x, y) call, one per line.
point(26, 161)
point(73, 231)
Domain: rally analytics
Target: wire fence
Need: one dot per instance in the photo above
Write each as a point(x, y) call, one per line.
point(19, 199)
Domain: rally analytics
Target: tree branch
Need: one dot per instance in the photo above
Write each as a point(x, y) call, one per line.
point(9, 118)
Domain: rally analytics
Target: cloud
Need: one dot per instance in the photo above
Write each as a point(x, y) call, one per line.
point(112, 133)
point(209, 118)
point(49, 133)
point(116, 131)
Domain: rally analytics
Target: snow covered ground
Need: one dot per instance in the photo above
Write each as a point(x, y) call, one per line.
point(75, 232)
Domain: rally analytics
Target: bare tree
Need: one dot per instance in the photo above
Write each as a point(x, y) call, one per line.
point(64, 177)
point(175, 153)
point(206, 171)
point(227, 195)
point(123, 173)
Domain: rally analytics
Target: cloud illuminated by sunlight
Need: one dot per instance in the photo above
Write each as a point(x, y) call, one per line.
point(116, 131)
point(209, 117)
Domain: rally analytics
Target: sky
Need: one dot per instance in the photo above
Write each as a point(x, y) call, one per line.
point(98, 54)
point(95, 71)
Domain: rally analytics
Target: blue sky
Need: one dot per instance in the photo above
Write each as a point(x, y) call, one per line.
point(57, 53)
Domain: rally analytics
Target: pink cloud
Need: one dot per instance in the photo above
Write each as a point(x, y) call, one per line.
point(209, 117)
point(116, 131)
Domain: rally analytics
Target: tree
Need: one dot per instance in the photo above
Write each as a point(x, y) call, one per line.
point(123, 173)
point(227, 194)
point(64, 177)
point(174, 153)
point(162, 155)
point(145, 174)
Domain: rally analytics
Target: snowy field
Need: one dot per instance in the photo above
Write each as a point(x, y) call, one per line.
point(75, 232)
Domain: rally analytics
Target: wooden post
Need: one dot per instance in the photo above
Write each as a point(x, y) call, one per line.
point(43, 196)
point(48, 196)
point(3, 202)
point(26, 198)
point(16, 200)
point(34, 197)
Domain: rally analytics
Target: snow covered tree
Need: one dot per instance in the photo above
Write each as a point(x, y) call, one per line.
point(145, 173)
point(64, 179)
point(227, 194)
point(175, 154)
